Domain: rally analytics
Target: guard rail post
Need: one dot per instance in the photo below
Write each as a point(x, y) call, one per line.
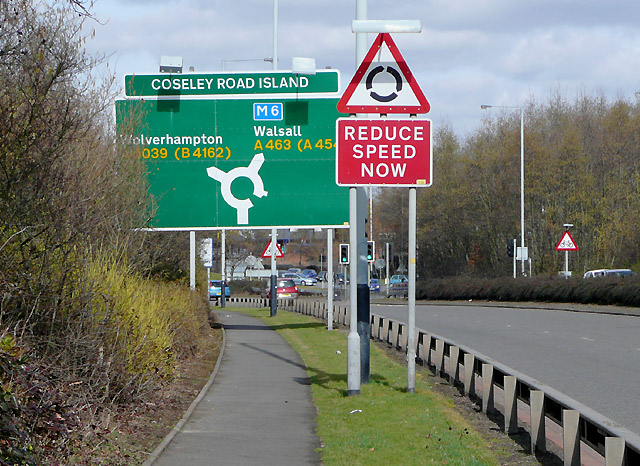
point(571, 437)
point(439, 356)
point(469, 375)
point(538, 436)
point(487, 388)
point(614, 451)
point(510, 404)
point(454, 356)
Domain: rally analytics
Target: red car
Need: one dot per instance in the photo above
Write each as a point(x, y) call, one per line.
point(285, 289)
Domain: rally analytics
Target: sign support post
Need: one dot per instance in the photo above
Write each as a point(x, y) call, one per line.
point(358, 282)
point(363, 95)
point(192, 260)
point(353, 339)
point(515, 267)
point(330, 278)
point(274, 272)
point(223, 260)
point(411, 324)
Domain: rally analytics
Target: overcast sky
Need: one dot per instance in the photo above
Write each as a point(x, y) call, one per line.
point(470, 52)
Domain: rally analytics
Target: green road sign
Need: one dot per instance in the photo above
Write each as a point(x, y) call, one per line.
point(231, 85)
point(236, 163)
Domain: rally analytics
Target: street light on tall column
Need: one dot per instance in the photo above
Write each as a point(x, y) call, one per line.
point(484, 107)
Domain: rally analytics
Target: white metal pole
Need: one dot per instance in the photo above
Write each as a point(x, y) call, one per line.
point(361, 280)
point(223, 256)
point(522, 184)
point(371, 213)
point(566, 264)
point(274, 272)
point(275, 34)
point(411, 321)
point(515, 249)
point(353, 339)
point(386, 256)
point(330, 279)
point(192, 260)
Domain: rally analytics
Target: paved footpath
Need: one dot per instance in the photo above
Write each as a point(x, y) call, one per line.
point(258, 411)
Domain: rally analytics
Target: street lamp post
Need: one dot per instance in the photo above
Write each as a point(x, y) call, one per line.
point(484, 107)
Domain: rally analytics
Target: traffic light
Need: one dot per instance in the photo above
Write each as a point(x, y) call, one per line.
point(371, 247)
point(344, 253)
point(510, 248)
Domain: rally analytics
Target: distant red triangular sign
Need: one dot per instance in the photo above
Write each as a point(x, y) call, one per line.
point(267, 251)
point(566, 243)
point(383, 86)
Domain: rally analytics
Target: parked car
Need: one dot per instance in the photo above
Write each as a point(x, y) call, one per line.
point(215, 289)
point(339, 279)
point(294, 270)
point(285, 289)
point(595, 273)
point(322, 276)
point(299, 279)
point(374, 285)
point(309, 273)
point(398, 279)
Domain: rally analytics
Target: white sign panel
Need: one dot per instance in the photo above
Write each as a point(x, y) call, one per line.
point(206, 252)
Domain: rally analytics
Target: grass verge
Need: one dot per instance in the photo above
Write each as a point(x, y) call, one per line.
point(384, 425)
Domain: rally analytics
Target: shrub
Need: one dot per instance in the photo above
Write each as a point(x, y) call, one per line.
point(603, 291)
point(144, 327)
point(33, 415)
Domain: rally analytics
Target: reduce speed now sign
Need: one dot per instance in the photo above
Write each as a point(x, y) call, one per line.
point(383, 152)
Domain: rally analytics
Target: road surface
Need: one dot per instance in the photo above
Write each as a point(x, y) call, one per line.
point(592, 358)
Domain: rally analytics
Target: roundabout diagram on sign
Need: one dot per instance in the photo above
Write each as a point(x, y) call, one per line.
point(396, 76)
point(226, 179)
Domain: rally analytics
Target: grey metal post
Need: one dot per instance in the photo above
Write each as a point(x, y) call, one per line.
point(353, 339)
point(566, 264)
point(515, 244)
point(275, 34)
point(522, 182)
point(411, 321)
point(223, 274)
point(361, 279)
point(274, 273)
point(330, 279)
point(386, 256)
point(192, 260)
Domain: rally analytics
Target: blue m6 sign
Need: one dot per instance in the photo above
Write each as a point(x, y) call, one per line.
point(237, 149)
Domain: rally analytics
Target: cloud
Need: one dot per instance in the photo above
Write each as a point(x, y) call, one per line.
point(470, 52)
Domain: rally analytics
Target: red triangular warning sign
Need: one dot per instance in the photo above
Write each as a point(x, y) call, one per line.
point(385, 85)
point(566, 243)
point(267, 251)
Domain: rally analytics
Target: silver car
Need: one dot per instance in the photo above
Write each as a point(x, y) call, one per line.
point(299, 279)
